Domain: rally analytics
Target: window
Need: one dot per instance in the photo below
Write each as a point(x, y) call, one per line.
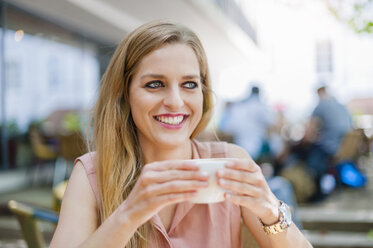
point(48, 68)
point(324, 57)
point(12, 75)
point(53, 72)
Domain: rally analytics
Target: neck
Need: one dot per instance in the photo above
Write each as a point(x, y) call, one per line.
point(160, 153)
point(324, 96)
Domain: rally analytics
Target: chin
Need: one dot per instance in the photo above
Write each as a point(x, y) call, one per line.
point(172, 141)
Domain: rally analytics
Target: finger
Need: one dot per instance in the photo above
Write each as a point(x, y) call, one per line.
point(177, 186)
point(240, 188)
point(164, 200)
point(172, 164)
point(243, 164)
point(242, 200)
point(258, 207)
point(169, 175)
point(239, 176)
point(159, 202)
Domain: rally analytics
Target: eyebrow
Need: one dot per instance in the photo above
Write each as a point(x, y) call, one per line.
point(153, 75)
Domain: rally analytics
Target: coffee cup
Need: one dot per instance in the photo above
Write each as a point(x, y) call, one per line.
point(213, 193)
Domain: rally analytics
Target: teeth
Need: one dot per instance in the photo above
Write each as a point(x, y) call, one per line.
point(170, 120)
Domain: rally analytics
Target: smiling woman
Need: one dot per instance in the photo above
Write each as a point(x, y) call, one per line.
point(136, 188)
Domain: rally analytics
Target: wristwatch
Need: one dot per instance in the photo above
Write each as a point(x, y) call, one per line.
point(283, 222)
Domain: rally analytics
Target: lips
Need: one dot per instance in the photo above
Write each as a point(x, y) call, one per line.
point(171, 119)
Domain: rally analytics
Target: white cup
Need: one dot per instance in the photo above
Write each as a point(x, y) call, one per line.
point(213, 193)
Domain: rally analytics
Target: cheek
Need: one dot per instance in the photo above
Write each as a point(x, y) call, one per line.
point(137, 111)
point(198, 106)
point(136, 107)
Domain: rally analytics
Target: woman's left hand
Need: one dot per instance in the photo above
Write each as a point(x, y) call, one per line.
point(247, 187)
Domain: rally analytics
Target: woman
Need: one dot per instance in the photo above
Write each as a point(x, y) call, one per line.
point(133, 191)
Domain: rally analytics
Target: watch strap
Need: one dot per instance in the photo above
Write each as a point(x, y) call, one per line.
point(277, 227)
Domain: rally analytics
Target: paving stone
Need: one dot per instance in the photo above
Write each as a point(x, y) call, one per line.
point(344, 219)
point(338, 239)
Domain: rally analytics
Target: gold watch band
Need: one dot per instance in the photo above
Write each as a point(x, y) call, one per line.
point(283, 222)
point(275, 228)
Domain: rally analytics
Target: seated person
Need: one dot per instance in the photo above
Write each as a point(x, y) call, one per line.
point(134, 189)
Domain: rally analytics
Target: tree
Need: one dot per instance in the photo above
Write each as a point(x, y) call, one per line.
point(358, 14)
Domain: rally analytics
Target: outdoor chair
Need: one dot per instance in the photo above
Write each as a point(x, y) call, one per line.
point(28, 215)
point(353, 145)
point(45, 154)
point(71, 146)
point(60, 156)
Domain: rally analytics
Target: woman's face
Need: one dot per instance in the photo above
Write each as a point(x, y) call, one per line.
point(166, 96)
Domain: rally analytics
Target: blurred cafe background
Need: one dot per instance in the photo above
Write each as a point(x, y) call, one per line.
point(54, 52)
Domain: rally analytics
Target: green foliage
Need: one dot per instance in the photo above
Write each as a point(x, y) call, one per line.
point(12, 128)
point(71, 122)
point(358, 14)
point(370, 234)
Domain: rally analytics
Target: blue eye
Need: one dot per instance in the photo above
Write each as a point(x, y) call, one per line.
point(190, 85)
point(154, 84)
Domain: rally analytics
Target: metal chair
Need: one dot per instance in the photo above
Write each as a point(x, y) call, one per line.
point(45, 154)
point(71, 146)
point(353, 145)
point(28, 216)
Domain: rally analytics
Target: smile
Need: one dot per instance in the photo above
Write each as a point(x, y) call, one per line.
point(171, 119)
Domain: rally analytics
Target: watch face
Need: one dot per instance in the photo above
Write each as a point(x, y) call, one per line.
point(286, 213)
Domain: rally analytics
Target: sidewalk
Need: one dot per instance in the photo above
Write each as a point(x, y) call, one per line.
point(345, 218)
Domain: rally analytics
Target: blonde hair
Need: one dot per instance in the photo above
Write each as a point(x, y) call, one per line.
point(119, 156)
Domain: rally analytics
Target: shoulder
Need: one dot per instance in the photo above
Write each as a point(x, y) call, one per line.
point(79, 211)
point(236, 151)
point(88, 157)
point(79, 186)
point(87, 161)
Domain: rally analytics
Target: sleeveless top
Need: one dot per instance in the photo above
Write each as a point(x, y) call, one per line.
point(193, 225)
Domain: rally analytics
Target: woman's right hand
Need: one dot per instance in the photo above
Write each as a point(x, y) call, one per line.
point(161, 184)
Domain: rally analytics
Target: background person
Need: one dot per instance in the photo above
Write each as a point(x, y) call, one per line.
point(248, 121)
point(134, 189)
point(329, 123)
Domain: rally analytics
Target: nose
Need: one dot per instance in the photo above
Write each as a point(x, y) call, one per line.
point(173, 98)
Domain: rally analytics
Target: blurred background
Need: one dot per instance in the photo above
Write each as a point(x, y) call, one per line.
point(54, 52)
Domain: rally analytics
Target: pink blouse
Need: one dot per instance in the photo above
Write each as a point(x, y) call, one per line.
point(193, 225)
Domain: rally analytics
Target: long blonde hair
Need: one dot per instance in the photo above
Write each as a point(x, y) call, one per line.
point(119, 156)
